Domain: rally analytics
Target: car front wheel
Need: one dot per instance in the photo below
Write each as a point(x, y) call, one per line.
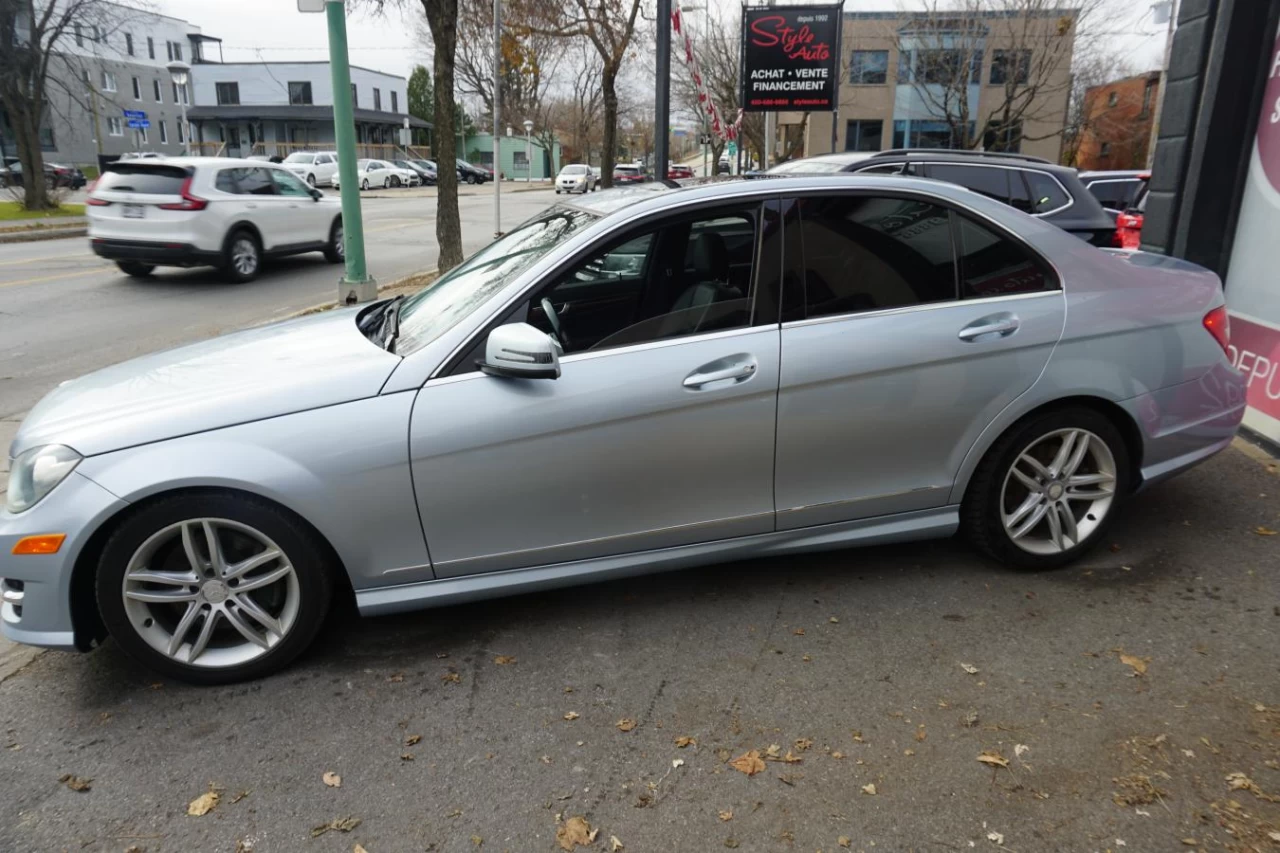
point(1048, 489)
point(335, 252)
point(311, 179)
point(364, 185)
point(214, 588)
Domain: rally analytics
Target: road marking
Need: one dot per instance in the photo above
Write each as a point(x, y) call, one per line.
point(407, 224)
point(23, 281)
point(47, 258)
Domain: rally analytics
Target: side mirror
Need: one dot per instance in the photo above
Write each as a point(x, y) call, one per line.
point(519, 351)
point(315, 194)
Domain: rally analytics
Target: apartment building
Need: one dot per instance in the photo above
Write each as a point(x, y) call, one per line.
point(1116, 129)
point(994, 80)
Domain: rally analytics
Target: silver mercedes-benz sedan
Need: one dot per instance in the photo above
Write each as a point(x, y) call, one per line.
point(641, 380)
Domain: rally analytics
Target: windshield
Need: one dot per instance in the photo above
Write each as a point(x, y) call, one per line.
point(626, 170)
point(403, 164)
point(429, 313)
point(808, 167)
point(574, 170)
point(299, 157)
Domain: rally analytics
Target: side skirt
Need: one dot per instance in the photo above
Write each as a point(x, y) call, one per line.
point(921, 524)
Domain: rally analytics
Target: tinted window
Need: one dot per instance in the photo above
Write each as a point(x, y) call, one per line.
point(1019, 195)
point(287, 183)
point(226, 181)
point(992, 265)
point(127, 178)
point(255, 181)
point(1046, 193)
point(991, 181)
point(1116, 195)
point(862, 253)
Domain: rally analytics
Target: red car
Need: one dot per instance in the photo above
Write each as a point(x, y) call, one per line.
point(679, 171)
point(627, 175)
point(1129, 223)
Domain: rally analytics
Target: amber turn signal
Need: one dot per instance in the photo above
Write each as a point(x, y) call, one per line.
point(47, 544)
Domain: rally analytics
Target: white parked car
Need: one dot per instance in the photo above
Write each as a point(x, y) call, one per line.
point(317, 168)
point(575, 178)
point(217, 211)
point(380, 173)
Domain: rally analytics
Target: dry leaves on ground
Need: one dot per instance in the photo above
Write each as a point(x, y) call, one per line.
point(1136, 790)
point(869, 789)
point(412, 740)
point(572, 715)
point(359, 848)
point(406, 756)
point(920, 733)
point(1021, 749)
point(995, 837)
point(333, 780)
point(75, 783)
point(614, 844)
point(804, 743)
point(682, 742)
point(844, 841)
point(203, 804)
point(969, 668)
point(338, 824)
point(799, 632)
point(575, 832)
point(396, 678)
point(451, 677)
point(238, 797)
point(1241, 782)
point(749, 763)
point(726, 815)
point(993, 758)
point(626, 724)
point(1264, 531)
point(1139, 664)
point(504, 660)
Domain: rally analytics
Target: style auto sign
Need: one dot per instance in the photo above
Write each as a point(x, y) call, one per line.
point(789, 57)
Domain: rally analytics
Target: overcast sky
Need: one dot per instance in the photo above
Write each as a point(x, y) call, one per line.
point(274, 30)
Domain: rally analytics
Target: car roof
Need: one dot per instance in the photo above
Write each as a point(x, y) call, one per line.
point(195, 162)
point(1114, 174)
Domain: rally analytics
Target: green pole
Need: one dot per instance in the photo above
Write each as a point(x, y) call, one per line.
point(356, 285)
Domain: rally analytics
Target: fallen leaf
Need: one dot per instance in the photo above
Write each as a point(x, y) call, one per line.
point(614, 844)
point(806, 658)
point(626, 724)
point(970, 719)
point(804, 743)
point(338, 824)
point(397, 678)
point(726, 815)
point(575, 832)
point(857, 736)
point(477, 840)
point(682, 742)
point(837, 754)
point(1139, 664)
point(238, 797)
point(731, 843)
point(995, 759)
point(995, 837)
point(203, 804)
point(333, 780)
point(451, 677)
point(844, 841)
point(359, 848)
point(908, 752)
point(504, 660)
point(1190, 842)
point(411, 740)
point(1274, 836)
point(1020, 749)
point(748, 763)
point(75, 783)
point(572, 715)
point(920, 733)
point(869, 789)
point(677, 762)
point(969, 668)
point(406, 756)
point(833, 620)
point(799, 632)
point(1264, 531)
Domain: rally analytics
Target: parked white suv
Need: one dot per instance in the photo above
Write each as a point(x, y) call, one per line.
point(196, 211)
point(317, 168)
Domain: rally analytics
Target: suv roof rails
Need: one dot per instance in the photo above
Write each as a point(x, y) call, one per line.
point(894, 152)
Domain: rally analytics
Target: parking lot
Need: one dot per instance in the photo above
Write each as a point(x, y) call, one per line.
point(1135, 698)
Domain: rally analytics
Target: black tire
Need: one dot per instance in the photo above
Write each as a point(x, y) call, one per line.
point(981, 510)
point(557, 191)
point(335, 251)
point(364, 184)
point(137, 269)
point(311, 180)
point(313, 567)
point(471, 179)
point(229, 267)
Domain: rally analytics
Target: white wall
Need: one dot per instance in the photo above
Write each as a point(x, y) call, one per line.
point(268, 83)
point(114, 22)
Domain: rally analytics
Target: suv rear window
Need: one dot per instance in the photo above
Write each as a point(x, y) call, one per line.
point(137, 178)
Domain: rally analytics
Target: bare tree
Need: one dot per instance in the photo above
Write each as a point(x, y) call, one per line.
point(717, 51)
point(1092, 69)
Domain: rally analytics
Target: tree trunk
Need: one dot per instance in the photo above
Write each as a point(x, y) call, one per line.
point(608, 157)
point(26, 131)
point(442, 17)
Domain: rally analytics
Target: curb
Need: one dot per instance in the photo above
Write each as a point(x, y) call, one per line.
point(34, 234)
point(333, 303)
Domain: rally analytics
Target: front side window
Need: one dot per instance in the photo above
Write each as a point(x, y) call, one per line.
point(288, 184)
point(850, 254)
point(300, 92)
point(228, 93)
point(253, 181)
point(992, 265)
point(868, 67)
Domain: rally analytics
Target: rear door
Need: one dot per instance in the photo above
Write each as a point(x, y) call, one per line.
point(138, 200)
point(907, 327)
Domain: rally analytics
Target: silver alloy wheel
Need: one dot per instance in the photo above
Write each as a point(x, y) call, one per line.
point(244, 255)
point(339, 241)
point(1057, 491)
point(210, 592)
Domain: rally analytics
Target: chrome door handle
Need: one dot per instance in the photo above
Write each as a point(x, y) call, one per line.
point(737, 368)
point(998, 326)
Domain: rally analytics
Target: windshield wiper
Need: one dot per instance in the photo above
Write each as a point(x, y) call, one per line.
point(390, 329)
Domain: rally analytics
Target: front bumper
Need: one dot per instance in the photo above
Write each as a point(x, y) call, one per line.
point(37, 593)
point(170, 254)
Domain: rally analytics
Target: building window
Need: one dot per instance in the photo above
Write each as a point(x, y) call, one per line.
point(128, 43)
point(98, 36)
point(79, 36)
point(151, 47)
point(47, 142)
point(1007, 65)
point(169, 47)
point(177, 50)
point(115, 125)
point(181, 131)
point(939, 66)
point(228, 93)
point(1112, 99)
point(164, 134)
point(355, 96)
point(377, 98)
point(137, 89)
point(1104, 149)
point(300, 92)
point(1148, 92)
point(142, 135)
point(1008, 138)
point(395, 102)
point(108, 81)
point(927, 134)
point(156, 90)
point(863, 134)
point(869, 67)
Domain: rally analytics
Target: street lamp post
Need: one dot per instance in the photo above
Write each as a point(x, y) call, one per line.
point(528, 150)
point(181, 73)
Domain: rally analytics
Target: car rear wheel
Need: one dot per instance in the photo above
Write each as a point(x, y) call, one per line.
point(242, 256)
point(336, 250)
point(1048, 489)
point(214, 588)
point(136, 268)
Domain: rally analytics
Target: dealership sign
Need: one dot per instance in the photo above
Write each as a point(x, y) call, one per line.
point(790, 57)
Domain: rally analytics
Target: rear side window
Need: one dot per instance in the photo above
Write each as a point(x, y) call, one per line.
point(991, 181)
point(245, 182)
point(1046, 193)
point(849, 254)
point(1116, 195)
point(131, 178)
point(994, 265)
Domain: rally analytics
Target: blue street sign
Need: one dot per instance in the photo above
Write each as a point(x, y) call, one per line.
point(135, 114)
point(138, 122)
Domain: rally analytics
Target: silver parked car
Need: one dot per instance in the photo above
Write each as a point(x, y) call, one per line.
point(642, 380)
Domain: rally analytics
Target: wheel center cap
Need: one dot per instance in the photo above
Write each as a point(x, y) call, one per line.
point(214, 592)
point(1054, 491)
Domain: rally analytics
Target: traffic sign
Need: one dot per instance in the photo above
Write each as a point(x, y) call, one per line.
point(134, 114)
point(704, 139)
point(138, 123)
point(731, 148)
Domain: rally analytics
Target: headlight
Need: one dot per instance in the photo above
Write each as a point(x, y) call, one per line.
point(36, 473)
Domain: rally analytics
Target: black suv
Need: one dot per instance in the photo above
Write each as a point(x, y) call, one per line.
point(1031, 184)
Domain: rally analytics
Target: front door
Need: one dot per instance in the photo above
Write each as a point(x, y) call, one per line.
point(658, 433)
point(907, 328)
point(306, 221)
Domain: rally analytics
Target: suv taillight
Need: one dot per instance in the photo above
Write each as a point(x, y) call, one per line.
point(189, 201)
point(1219, 325)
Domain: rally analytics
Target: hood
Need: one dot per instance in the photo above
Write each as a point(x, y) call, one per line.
point(302, 364)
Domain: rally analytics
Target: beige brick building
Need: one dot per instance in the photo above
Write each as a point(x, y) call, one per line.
point(987, 80)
